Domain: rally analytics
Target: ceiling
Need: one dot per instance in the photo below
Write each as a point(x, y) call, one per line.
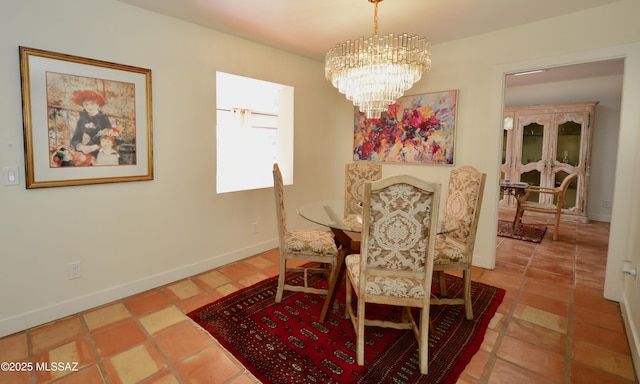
point(311, 27)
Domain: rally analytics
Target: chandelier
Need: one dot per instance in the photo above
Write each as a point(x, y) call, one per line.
point(374, 72)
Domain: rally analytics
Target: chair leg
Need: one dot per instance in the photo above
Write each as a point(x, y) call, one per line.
point(348, 293)
point(443, 284)
point(360, 332)
point(467, 293)
point(281, 276)
point(423, 342)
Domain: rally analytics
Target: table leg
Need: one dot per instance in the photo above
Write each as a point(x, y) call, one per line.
point(350, 243)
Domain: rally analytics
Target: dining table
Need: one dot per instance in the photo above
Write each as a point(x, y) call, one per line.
point(347, 230)
point(513, 188)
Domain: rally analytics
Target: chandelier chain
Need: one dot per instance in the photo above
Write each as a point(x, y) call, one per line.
point(375, 19)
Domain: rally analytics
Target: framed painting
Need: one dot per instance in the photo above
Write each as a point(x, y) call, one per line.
point(415, 129)
point(85, 121)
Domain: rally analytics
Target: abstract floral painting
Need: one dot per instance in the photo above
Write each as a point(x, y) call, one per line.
point(416, 129)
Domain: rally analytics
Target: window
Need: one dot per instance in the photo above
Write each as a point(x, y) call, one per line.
point(254, 130)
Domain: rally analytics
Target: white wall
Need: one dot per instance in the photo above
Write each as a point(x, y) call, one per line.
point(130, 237)
point(608, 92)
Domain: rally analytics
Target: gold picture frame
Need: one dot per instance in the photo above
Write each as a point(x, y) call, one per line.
point(85, 121)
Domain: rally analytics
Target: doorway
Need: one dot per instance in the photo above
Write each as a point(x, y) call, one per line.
point(591, 81)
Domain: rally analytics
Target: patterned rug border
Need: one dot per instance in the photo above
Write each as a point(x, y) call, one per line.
point(532, 233)
point(470, 351)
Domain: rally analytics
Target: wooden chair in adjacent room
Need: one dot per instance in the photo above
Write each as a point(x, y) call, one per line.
point(308, 246)
point(395, 264)
point(553, 207)
point(454, 250)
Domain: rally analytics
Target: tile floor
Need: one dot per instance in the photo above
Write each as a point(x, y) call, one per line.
point(553, 326)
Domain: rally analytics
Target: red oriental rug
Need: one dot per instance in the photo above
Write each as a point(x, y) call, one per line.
point(534, 233)
point(285, 343)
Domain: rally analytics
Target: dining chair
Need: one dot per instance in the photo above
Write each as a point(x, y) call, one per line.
point(308, 246)
point(454, 250)
point(355, 174)
point(395, 264)
point(554, 207)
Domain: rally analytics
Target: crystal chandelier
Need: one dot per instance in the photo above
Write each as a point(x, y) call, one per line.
point(374, 72)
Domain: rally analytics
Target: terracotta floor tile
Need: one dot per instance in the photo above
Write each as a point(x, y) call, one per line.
point(197, 301)
point(609, 361)
point(134, 365)
point(545, 303)
point(497, 322)
point(260, 262)
point(557, 292)
point(504, 372)
point(562, 269)
point(537, 335)
point(542, 318)
point(213, 279)
point(532, 358)
point(147, 302)
point(610, 321)
point(118, 338)
point(182, 290)
point(237, 270)
point(73, 357)
point(594, 300)
point(506, 306)
point(15, 377)
point(211, 366)
point(602, 337)
point(182, 342)
point(14, 347)
point(246, 379)
point(477, 365)
point(164, 377)
point(160, 321)
point(513, 269)
point(228, 289)
point(583, 374)
point(55, 333)
point(503, 279)
point(252, 279)
point(548, 277)
point(92, 375)
point(106, 316)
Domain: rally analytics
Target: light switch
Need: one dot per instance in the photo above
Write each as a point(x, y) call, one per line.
point(11, 176)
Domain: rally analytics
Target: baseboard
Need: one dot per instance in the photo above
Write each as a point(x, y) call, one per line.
point(17, 323)
point(632, 333)
point(603, 218)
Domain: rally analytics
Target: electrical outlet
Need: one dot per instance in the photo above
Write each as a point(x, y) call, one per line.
point(74, 270)
point(254, 227)
point(606, 203)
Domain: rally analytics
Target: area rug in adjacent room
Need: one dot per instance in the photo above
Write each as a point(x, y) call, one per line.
point(285, 343)
point(534, 233)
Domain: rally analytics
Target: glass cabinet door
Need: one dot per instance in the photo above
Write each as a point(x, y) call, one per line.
point(568, 143)
point(532, 135)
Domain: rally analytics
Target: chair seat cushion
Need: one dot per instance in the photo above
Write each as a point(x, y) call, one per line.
point(448, 251)
point(384, 285)
point(310, 243)
point(539, 206)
